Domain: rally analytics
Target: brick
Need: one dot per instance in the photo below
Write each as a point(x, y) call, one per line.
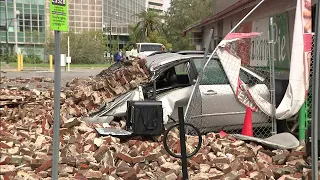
point(127, 158)
point(16, 160)
point(14, 151)
point(5, 160)
point(264, 158)
point(199, 158)
point(231, 176)
point(6, 145)
point(92, 175)
point(71, 122)
point(205, 168)
point(98, 155)
point(44, 166)
point(193, 165)
point(215, 174)
point(225, 168)
point(6, 168)
point(171, 176)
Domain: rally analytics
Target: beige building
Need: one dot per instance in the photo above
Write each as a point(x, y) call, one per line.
point(155, 5)
point(84, 15)
point(227, 14)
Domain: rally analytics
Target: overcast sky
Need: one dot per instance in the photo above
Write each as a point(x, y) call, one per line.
point(166, 4)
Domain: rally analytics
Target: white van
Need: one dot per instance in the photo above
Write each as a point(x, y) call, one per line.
point(145, 49)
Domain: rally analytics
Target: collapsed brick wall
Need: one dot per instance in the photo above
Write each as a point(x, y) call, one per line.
point(26, 139)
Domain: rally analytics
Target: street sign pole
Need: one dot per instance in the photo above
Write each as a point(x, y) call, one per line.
point(58, 23)
point(57, 87)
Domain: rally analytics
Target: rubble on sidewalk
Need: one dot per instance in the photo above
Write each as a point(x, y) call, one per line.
point(26, 140)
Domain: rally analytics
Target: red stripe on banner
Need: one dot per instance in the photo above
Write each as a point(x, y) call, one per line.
point(241, 35)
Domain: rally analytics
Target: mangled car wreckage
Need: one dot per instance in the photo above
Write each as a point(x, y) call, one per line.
point(171, 81)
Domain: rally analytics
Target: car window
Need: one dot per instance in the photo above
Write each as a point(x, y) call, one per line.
point(182, 68)
point(218, 69)
point(174, 76)
point(150, 47)
point(214, 74)
point(198, 62)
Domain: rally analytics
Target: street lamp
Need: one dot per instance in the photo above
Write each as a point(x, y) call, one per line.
point(117, 15)
point(17, 13)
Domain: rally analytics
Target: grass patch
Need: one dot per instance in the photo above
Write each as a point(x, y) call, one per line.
point(46, 65)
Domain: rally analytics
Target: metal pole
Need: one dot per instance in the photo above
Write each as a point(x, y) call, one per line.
point(68, 53)
point(15, 22)
point(207, 46)
point(7, 29)
point(316, 96)
point(183, 144)
point(110, 42)
point(57, 87)
point(272, 79)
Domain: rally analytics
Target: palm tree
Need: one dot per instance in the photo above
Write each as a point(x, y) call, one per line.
point(149, 21)
point(136, 34)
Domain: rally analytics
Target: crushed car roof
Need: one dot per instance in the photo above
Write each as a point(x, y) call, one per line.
point(155, 61)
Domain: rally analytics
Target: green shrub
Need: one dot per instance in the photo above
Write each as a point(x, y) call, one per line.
point(12, 58)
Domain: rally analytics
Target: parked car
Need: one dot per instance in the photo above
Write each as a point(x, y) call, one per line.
point(172, 80)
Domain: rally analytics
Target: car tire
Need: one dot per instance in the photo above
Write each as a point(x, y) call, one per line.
point(289, 125)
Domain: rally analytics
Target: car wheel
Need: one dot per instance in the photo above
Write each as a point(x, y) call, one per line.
point(290, 125)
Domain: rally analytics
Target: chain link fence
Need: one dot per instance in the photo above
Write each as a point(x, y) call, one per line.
point(216, 105)
point(309, 97)
point(240, 68)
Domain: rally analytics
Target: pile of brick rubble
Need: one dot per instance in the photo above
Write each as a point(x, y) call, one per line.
point(26, 139)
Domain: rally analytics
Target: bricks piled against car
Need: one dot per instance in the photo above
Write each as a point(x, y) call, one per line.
point(26, 139)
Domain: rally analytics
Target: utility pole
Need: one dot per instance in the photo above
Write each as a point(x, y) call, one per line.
point(7, 29)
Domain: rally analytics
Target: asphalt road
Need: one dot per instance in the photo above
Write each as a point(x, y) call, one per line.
point(65, 76)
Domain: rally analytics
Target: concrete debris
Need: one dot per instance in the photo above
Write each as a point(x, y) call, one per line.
point(26, 139)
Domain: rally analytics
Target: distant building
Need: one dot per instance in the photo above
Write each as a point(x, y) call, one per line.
point(26, 26)
point(121, 13)
point(155, 5)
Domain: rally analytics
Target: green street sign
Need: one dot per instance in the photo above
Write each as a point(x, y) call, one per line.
point(59, 15)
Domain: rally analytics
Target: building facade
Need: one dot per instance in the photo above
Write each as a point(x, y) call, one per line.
point(228, 13)
point(119, 15)
point(26, 26)
point(155, 5)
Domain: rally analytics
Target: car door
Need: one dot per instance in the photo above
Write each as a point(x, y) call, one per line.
point(220, 107)
point(219, 104)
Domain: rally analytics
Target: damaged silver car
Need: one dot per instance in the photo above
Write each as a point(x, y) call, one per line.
point(172, 80)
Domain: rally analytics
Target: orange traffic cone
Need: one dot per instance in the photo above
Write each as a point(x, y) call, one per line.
point(247, 124)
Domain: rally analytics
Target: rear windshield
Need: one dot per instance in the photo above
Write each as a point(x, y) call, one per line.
point(150, 47)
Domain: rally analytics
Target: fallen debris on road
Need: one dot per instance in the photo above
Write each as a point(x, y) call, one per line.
point(26, 140)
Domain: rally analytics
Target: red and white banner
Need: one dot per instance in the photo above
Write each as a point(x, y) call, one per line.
point(299, 67)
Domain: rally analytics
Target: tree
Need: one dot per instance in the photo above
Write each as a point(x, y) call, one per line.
point(180, 15)
point(136, 33)
point(158, 37)
point(85, 47)
point(33, 48)
point(149, 21)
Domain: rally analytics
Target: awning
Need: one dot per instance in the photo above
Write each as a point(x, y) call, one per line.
point(233, 9)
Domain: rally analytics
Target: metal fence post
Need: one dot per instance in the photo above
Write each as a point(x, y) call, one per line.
point(183, 144)
point(303, 121)
point(316, 97)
